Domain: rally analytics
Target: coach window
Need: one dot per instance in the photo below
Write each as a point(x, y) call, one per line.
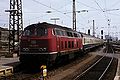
point(77, 44)
point(72, 44)
point(69, 46)
point(65, 44)
point(62, 45)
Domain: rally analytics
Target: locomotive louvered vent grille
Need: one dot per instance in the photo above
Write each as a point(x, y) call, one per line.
point(42, 43)
point(24, 43)
point(33, 42)
point(42, 46)
point(35, 46)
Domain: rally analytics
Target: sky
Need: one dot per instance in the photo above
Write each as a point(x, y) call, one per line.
point(100, 11)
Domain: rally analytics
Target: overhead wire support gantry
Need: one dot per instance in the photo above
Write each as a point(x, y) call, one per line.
point(15, 23)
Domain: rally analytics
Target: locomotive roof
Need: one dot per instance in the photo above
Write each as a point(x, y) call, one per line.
point(45, 24)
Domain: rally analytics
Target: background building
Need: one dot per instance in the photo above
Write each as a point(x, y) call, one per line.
point(4, 34)
point(111, 38)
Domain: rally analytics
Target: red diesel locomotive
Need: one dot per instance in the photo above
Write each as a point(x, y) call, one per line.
point(47, 43)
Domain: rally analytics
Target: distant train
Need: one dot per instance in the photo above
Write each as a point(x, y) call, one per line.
point(45, 43)
point(91, 42)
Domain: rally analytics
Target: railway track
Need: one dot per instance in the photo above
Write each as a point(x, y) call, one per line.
point(21, 75)
point(31, 76)
point(97, 70)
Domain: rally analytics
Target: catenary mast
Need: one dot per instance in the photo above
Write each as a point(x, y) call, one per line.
point(74, 16)
point(15, 23)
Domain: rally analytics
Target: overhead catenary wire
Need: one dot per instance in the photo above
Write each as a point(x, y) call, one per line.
point(55, 10)
point(58, 10)
point(65, 5)
point(114, 14)
point(115, 4)
point(98, 5)
point(47, 6)
point(105, 12)
point(94, 9)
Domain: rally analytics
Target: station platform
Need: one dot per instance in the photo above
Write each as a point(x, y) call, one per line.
point(4, 61)
point(117, 77)
point(4, 69)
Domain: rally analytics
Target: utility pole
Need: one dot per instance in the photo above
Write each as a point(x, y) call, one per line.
point(93, 28)
point(15, 23)
point(74, 16)
point(108, 27)
point(101, 34)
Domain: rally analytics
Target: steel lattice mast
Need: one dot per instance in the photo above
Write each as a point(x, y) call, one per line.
point(15, 23)
point(74, 16)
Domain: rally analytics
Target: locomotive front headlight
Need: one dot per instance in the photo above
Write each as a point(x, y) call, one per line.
point(42, 49)
point(25, 49)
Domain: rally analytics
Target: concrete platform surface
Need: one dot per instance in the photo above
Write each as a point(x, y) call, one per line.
point(117, 77)
point(4, 61)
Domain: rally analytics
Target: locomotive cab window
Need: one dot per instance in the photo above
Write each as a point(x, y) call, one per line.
point(57, 32)
point(75, 35)
point(41, 31)
point(34, 31)
point(26, 33)
point(69, 34)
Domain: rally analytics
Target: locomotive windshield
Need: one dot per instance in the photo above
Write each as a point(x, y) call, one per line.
point(35, 31)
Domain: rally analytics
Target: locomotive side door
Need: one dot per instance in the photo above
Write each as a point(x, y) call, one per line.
point(57, 32)
point(58, 43)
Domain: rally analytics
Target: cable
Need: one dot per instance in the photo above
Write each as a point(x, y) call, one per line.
point(118, 2)
point(47, 6)
point(64, 6)
point(54, 9)
point(114, 14)
point(93, 8)
point(87, 5)
point(105, 12)
point(98, 5)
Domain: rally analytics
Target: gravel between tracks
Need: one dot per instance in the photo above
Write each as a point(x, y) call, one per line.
point(76, 67)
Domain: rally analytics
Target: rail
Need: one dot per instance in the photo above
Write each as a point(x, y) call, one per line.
point(95, 64)
point(107, 66)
